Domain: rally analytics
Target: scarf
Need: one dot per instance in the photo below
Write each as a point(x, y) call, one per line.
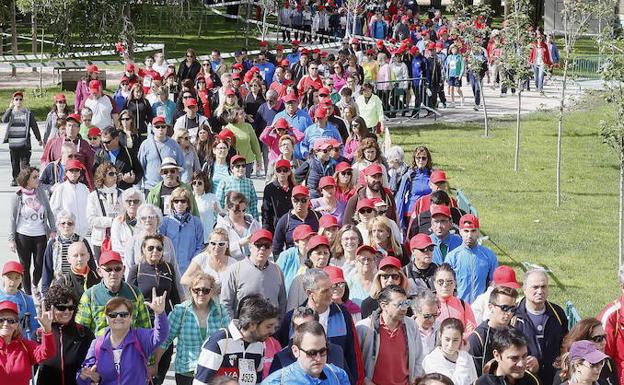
point(182, 217)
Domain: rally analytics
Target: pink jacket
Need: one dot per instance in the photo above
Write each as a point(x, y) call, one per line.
point(271, 139)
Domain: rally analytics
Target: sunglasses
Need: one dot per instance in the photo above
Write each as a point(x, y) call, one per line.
point(111, 173)
point(65, 307)
point(119, 314)
point(124, 119)
point(506, 308)
point(446, 282)
point(9, 320)
point(300, 200)
point(340, 285)
point(599, 338)
point(72, 156)
point(180, 201)
point(403, 304)
point(169, 171)
point(66, 223)
point(217, 243)
point(427, 249)
point(187, 97)
point(365, 211)
point(315, 352)
point(201, 290)
point(393, 276)
point(116, 269)
point(282, 170)
point(151, 248)
point(263, 245)
point(346, 173)
point(93, 137)
point(430, 315)
point(160, 127)
point(422, 158)
point(197, 183)
point(133, 201)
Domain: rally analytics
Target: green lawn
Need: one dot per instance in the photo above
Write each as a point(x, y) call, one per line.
point(518, 212)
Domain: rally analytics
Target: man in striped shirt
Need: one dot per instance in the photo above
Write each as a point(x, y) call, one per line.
point(238, 350)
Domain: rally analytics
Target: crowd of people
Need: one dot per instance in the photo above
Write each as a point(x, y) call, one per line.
point(142, 239)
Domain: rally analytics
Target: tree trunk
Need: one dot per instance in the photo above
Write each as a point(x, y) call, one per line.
point(33, 32)
point(485, 114)
point(621, 210)
point(13, 35)
point(517, 154)
point(560, 129)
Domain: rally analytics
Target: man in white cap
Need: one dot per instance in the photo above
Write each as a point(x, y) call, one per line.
point(159, 194)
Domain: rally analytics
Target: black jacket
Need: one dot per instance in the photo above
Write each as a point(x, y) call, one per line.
point(491, 379)
point(125, 162)
point(275, 203)
point(186, 72)
point(162, 277)
point(72, 343)
point(480, 345)
point(555, 328)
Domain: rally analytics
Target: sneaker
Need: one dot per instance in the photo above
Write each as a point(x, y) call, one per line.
point(476, 108)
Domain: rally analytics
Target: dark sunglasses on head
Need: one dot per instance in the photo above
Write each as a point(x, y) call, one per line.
point(116, 269)
point(152, 247)
point(65, 307)
point(201, 290)
point(118, 314)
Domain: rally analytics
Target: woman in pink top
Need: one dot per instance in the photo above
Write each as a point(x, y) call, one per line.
point(339, 76)
point(451, 306)
point(271, 136)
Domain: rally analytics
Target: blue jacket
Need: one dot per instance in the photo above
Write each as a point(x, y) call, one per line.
point(294, 375)
point(312, 171)
point(120, 100)
point(452, 241)
point(414, 184)
point(137, 347)
point(474, 268)
point(187, 237)
point(555, 328)
point(285, 357)
point(290, 262)
point(25, 304)
point(314, 132)
point(418, 69)
point(378, 29)
point(267, 70)
point(340, 331)
point(282, 237)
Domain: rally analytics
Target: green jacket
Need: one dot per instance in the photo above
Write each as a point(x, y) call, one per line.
point(154, 197)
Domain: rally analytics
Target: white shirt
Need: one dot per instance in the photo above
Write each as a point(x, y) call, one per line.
point(102, 111)
point(462, 372)
point(324, 318)
point(73, 198)
point(480, 306)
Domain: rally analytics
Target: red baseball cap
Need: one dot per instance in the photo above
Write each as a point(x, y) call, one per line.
point(95, 85)
point(59, 98)
point(94, 131)
point(284, 63)
point(322, 144)
point(365, 203)
point(261, 234)
point(468, 221)
point(300, 190)
point(226, 134)
point(437, 176)
point(237, 158)
point(263, 43)
point(324, 91)
point(159, 120)
point(316, 50)
point(295, 43)
point(440, 210)
point(92, 68)
point(74, 117)
point(291, 97)
point(343, 166)
point(230, 91)
point(73, 164)
point(320, 113)
point(129, 67)
point(281, 163)
point(327, 221)
point(390, 261)
point(369, 52)
point(505, 276)
point(281, 123)
point(13, 267)
point(327, 181)
point(334, 142)
point(420, 241)
point(414, 50)
point(238, 66)
point(439, 45)
point(190, 102)
point(279, 47)
point(336, 275)
point(235, 76)
point(302, 232)
point(10, 306)
point(373, 169)
point(109, 256)
point(365, 248)
point(316, 241)
point(379, 43)
point(305, 51)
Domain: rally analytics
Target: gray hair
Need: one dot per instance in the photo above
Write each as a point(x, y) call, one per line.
point(528, 273)
point(422, 298)
point(131, 192)
point(64, 214)
point(311, 277)
point(148, 208)
point(271, 94)
point(86, 111)
point(395, 152)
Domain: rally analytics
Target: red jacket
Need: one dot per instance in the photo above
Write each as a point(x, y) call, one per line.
point(545, 54)
point(612, 318)
point(18, 357)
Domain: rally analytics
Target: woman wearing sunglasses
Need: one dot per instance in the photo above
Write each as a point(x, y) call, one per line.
point(239, 225)
point(191, 323)
point(414, 184)
point(120, 356)
point(72, 340)
point(103, 205)
point(191, 160)
point(451, 306)
point(589, 329)
point(154, 273)
point(345, 183)
point(583, 364)
point(214, 260)
point(389, 273)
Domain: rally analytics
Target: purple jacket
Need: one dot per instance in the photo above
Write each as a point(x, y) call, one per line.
point(133, 368)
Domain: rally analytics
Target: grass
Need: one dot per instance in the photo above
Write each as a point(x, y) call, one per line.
point(576, 241)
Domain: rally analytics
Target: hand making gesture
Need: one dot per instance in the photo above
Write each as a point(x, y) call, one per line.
point(158, 303)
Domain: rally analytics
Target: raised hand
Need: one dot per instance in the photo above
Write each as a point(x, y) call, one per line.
point(45, 319)
point(158, 303)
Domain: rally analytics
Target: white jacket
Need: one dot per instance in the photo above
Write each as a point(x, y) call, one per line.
point(462, 372)
point(121, 235)
point(236, 250)
point(181, 123)
point(73, 198)
point(98, 220)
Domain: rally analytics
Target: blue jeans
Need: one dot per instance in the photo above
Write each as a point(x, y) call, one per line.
point(476, 89)
point(539, 72)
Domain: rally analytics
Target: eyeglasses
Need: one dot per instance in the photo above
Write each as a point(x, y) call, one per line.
point(168, 171)
point(393, 276)
point(263, 245)
point(300, 200)
point(65, 307)
point(430, 315)
point(314, 353)
point(133, 201)
point(201, 290)
point(148, 217)
point(197, 182)
point(506, 308)
point(8, 320)
point(445, 282)
point(151, 248)
point(427, 249)
point(403, 304)
point(599, 338)
point(365, 211)
point(339, 285)
point(180, 201)
point(93, 137)
point(111, 173)
point(119, 314)
point(116, 269)
point(217, 243)
point(66, 223)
